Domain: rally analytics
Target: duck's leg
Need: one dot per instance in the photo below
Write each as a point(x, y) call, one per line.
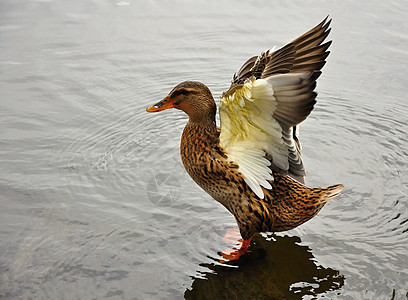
point(237, 251)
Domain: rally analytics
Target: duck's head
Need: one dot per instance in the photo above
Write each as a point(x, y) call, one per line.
point(192, 97)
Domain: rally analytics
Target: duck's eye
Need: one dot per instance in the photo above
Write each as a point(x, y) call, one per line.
point(179, 92)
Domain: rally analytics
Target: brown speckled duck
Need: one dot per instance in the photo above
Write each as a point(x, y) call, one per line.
point(252, 164)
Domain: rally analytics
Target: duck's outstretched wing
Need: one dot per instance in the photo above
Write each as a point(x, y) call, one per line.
point(268, 97)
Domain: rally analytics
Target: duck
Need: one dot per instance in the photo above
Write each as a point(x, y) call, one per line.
point(252, 163)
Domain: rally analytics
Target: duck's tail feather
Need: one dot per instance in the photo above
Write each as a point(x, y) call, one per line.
point(330, 192)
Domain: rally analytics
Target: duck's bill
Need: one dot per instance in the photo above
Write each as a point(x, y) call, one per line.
point(159, 106)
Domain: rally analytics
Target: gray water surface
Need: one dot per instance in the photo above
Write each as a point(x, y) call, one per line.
point(95, 202)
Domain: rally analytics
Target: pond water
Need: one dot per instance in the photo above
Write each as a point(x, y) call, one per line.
point(94, 200)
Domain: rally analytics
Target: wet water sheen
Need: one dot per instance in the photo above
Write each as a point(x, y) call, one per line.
point(94, 200)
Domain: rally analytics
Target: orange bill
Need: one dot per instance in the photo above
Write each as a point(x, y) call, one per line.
point(162, 105)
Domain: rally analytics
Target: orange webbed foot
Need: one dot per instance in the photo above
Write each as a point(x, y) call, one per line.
point(241, 247)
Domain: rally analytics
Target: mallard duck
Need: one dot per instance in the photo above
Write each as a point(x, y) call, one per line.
point(252, 164)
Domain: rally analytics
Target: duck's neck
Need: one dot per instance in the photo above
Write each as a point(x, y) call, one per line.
point(200, 133)
point(202, 112)
point(198, 138)
point(201, 122)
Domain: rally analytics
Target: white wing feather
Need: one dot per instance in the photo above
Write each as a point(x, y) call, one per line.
point(249, 130)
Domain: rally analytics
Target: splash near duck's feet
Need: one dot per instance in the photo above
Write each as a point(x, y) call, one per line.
point(240, 248)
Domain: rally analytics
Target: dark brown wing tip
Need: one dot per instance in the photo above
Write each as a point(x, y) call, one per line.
point(285, 59)
point(326, 22)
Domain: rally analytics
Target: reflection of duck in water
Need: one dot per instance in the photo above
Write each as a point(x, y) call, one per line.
point(252, 164)
point(283, 269)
